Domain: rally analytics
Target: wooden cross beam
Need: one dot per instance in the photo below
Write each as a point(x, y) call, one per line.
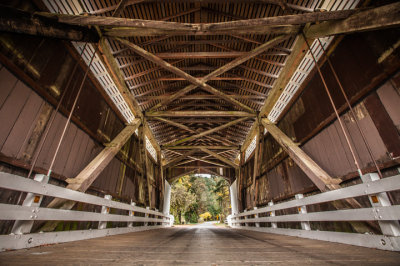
point(177, 71)
point(180, 158)
point(19, 21)
point(190, 147)
point(172, 179)
point(202, 82)
point(137, 27)
point(197, 31)
point(317, 175)
point(118, 78)
point(372, 19)
point(200, 114)
point(224, 141)
point(219, 157)
point(120, 7)
point(207, 132)
point(211, 172)
point(201, 159)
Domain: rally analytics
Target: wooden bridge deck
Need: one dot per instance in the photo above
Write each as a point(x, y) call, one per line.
point(200, 245)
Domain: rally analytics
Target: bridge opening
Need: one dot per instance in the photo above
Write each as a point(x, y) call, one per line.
point(196, 199)
point(110, 109)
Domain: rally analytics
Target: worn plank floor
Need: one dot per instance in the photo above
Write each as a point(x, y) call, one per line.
point(199, 245)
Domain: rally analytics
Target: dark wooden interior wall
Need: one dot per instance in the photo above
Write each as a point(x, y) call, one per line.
point(372, 85)
point(46, 65)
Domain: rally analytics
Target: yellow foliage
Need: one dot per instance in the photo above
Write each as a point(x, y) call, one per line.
point(205, 216)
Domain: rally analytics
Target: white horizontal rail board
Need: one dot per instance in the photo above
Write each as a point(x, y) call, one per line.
point(18, 183)
point(364, 189)
point(10, 242)
point(362, 240)
point(17, 212)
point(387, 213)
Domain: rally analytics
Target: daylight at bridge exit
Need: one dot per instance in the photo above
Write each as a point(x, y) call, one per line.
point(199, 132)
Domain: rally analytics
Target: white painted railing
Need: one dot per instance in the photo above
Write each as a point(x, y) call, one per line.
point(31, 211)
point(381, 210)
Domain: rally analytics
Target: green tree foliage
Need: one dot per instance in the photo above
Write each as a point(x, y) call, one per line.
point(192, 196)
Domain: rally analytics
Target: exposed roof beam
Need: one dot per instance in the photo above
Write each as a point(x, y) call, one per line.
point(196, 82)
point(173, 178)
point(373, 19)
point(178, 125)
point(115, 7)
point(205, 97)
point(148, 71)
point(120, 8)
point(248, 26)
point(207, 132)
point(198, 147)
point(19, 21)
point(180, 158)
point(220, 71)
point(219, 157)
point(196, 31)
point(200, 114)
point(118, 78)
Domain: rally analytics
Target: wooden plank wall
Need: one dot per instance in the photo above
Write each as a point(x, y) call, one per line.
point(20, 111)
point(374, 84)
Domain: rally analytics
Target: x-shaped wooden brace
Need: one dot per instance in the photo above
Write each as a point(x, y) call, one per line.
point(202, 82)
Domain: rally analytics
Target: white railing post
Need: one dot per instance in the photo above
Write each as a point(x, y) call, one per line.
point(156, 216)
point(272, 214)
point(256, 216)
point(389, 228)
point(229, 219)
point(303, 210)
point(245, 219)
point(105, 210)
point(146, 215)
point(131, 213)
point(33, 200)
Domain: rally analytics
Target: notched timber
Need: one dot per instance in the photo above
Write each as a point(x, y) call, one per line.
point(19, 21)
point(373, 19)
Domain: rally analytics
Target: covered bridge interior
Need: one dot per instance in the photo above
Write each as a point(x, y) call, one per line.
point(107, 102)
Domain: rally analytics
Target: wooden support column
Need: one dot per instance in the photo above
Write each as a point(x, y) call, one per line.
point(256, 165)
point(161, 178)
point(317, 175)
point(145, 161)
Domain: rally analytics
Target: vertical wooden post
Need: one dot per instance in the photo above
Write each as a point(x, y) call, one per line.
point(146, 215)
point(33, 200)
point(245, 219)
point(272, 214)
point(389, 228)
point(104, 210)
point(303, 210)
point(131, 213)
point(255, 167)
point(256, 216)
